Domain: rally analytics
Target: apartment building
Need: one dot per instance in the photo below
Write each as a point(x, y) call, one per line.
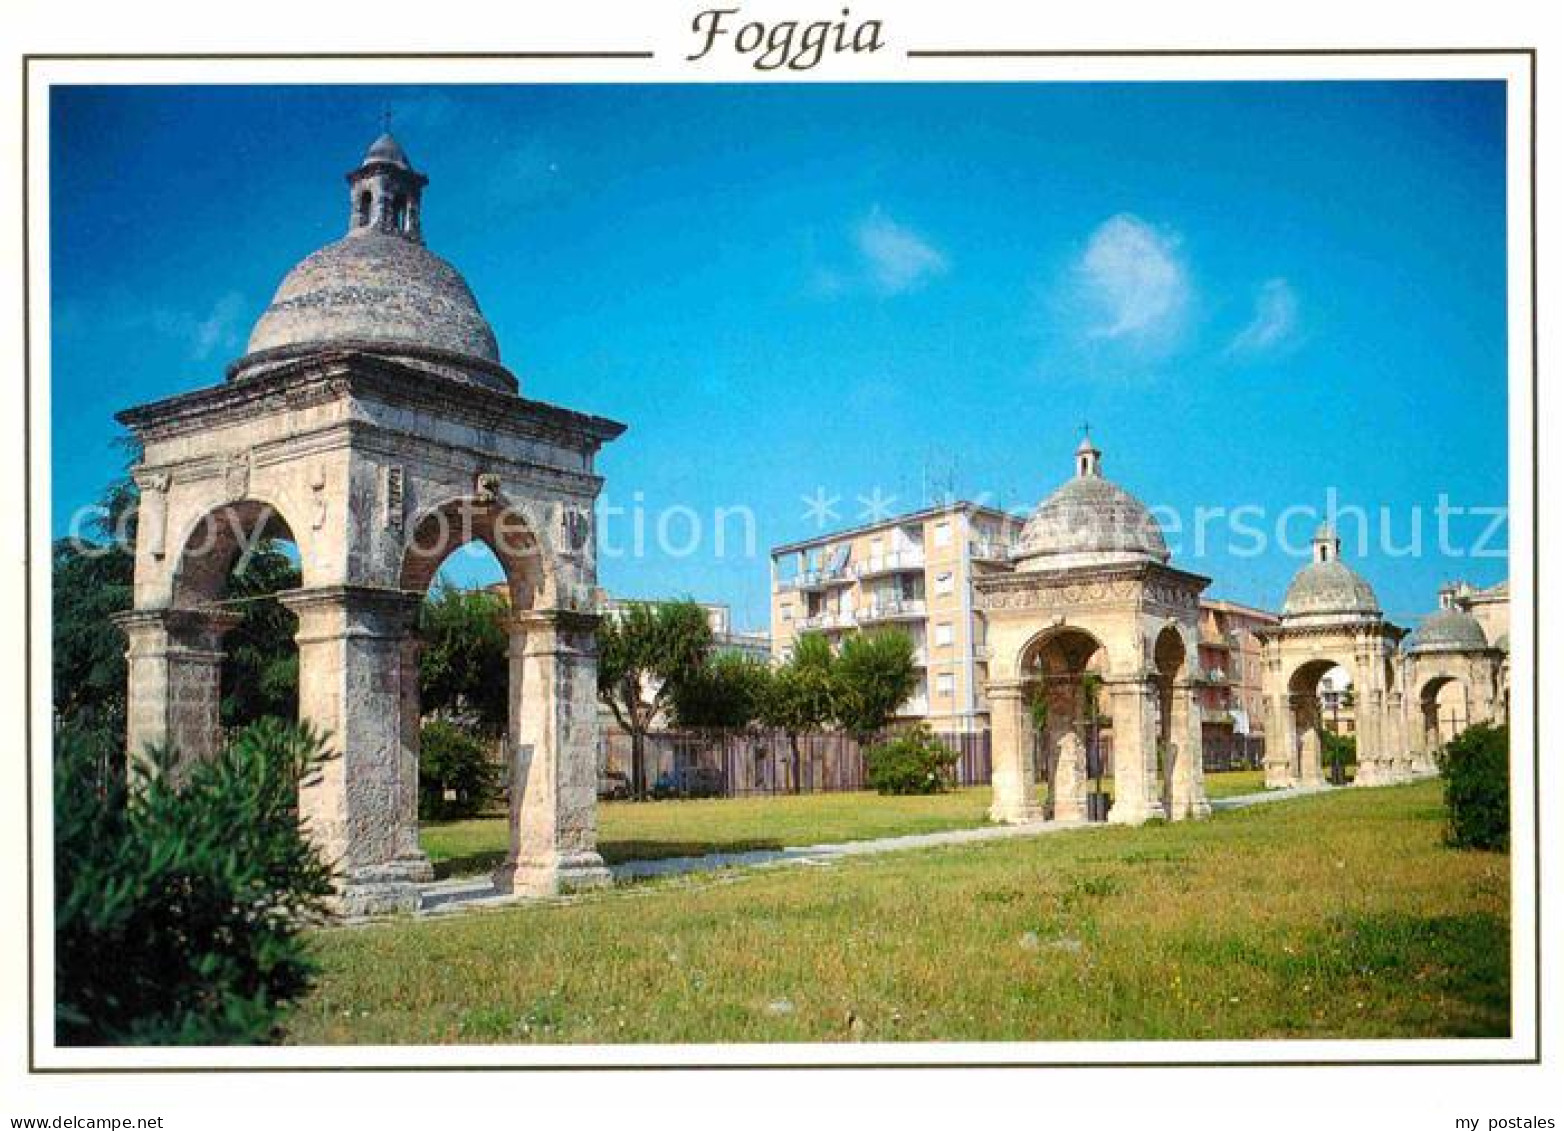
point(913, 572)
point(1232, 704)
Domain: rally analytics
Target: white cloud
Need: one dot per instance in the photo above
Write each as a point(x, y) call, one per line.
point(896, 258)
point(219, 331)
point(1134, 281)
point(1274, 323)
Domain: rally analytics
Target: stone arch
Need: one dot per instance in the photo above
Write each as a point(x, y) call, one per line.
point(213, 541)
point(176, 650)
point(510, 534)
point(1444, 708)
point(1054, 666)
point(1304, 737)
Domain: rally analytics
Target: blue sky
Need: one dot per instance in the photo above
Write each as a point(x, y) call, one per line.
point(1255, 292)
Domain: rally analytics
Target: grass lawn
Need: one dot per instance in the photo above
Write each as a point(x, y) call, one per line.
point(1341, 915)
point(654, 830)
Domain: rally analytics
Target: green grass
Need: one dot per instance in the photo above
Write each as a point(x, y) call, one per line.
point(1341, 915)
point(660, 829)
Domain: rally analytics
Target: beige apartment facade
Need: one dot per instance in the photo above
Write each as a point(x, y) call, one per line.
point(914, 572)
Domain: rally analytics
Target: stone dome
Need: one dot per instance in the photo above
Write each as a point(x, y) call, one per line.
point(1448, 630)
point(378, 290)
point(1089, 521)
point(1327, 588)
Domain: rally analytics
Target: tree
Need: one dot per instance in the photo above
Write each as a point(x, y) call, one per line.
point(801, 696)
point(180, 899)
point(260, 657)
point(92, 582)
point(450, 759)
point(875, 674)
point(1475, 765)
point(465, 665)
point(644, 655)
point(726, 693)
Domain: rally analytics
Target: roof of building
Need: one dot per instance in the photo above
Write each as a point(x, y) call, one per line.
point(379, 291)
point(1329, 587)
point(952, 507)
point(386, 148)
point(1089, 521)
point(1448, 630)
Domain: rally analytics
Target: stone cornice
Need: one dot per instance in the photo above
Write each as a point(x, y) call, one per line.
point(1077, 575)
point(1141, 583)
point(324, 377)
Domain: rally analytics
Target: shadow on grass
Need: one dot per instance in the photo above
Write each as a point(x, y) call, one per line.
point(613, 852)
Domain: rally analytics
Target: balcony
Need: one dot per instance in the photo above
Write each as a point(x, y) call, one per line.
point(816, 579)
point(893, 610)
point(899, 562)
point(827, 622)
point(989, 551)
point(917, 705)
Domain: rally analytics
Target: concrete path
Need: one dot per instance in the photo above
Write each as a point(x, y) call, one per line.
point(447, 896)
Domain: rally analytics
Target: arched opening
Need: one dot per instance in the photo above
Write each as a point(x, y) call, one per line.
point(1322, 704)
point(399, 212)
point(1062, 678)
point(1444, 708)
point(361, 209)
point(476, 565)
point(240, 656)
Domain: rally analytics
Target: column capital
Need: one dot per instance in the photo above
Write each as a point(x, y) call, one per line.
point(371, 611)
point(1005, 689)
point(190, 629)
point(551, 620)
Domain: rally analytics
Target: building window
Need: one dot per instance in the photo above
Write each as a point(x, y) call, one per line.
point(945, 684)
point(944, 634)
point(944, 583)
point(787, 614)
point(942, 533)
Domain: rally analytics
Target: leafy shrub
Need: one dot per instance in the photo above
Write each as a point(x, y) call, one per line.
point(1476, 769)
point(457, 776)
point(914, 762)
point(179, 900)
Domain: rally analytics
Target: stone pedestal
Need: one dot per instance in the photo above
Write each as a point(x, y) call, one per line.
point(175, 660)
point(1311, 770)
point(1014, 772)
point(553, 790)
point(1067, 795)
point(1137, 787)
point(361, 810)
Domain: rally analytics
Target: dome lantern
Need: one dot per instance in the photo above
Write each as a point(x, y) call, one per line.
point(1327, 590)
point(385, 192)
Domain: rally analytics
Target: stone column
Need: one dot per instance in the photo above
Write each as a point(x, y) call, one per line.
point(1281, 740)
point(1373, 766)
point(553, 732)
point(361, 810)
point(1014, 775)
point(1137, 791)
point(1187, 782)
point(175, 660)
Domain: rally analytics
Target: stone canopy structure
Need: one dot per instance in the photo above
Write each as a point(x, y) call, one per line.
point(1094, 629)
point(372, 423)
point(1411, 693)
